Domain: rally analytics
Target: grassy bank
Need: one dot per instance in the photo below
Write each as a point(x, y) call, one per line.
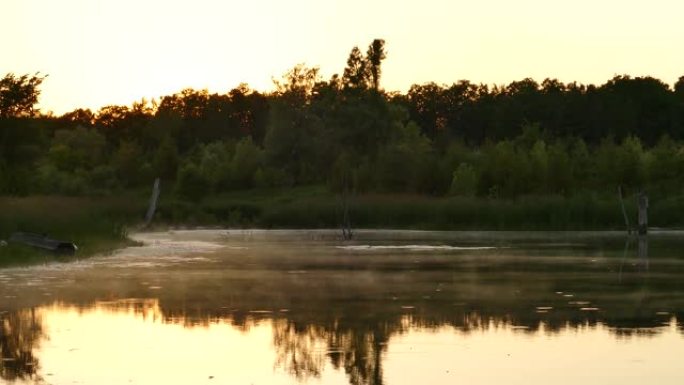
point(315, 207)
point(100, 224)
point(96, 225)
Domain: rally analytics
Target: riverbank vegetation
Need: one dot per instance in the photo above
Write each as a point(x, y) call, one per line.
point(96, 225)
point(547, 155)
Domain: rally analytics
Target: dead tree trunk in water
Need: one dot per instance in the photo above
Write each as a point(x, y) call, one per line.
point(643, 213)
point(643, 253)
point(346, 222)
point(153, 203)
point(624, 212)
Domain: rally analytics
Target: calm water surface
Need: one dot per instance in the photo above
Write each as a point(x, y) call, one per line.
point(291, 307)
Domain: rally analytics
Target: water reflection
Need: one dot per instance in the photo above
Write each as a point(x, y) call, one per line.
point(357, 345)
point(357, 349)
point(279, 311)
point(20, 334)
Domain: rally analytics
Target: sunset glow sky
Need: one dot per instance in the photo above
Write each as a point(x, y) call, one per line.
point(100, 52)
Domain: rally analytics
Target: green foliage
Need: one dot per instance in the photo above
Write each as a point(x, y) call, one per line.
point(214, 160)
point(266, 177)
point(341, 176)
point(559, 171)
point(464, 181)
point(506, 171)
point(630, 162)
point(402, 164)
point(191, 183)
point(127, 163)
point(52, 180)
point(465, 140)
point(79, 148)
point(165, 163)
point(22, 143)
point(539, 167)
point(290, 143)
point(245, 163)
point(313, 206)
point(665, 165)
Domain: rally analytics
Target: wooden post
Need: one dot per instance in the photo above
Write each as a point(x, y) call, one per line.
point(643, 213)
point(153, 203)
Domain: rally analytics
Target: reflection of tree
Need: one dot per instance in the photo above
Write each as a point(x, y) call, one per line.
point(19, 335)
point(357, 347)
point(360, 355)
point(299, 349)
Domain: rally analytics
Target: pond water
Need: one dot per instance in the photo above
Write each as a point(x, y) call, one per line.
point(390, 307)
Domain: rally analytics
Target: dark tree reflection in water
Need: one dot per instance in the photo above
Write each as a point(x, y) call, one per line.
point(20, 333)
point(355, 347)
point(319, 311)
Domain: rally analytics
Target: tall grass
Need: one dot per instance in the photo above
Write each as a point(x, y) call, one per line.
point(100, 224)
point(94, 224)
point(314, 207)
point(531, 213)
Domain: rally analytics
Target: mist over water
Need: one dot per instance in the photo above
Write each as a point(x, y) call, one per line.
point(393, 307)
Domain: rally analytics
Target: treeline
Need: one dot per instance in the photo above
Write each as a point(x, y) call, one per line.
point(346, 132)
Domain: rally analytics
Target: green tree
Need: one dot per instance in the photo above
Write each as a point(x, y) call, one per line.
point(191, 184)
point(505, 171)
point(22, 143)
point(539, 164)
point(630, 167)
point(464, 181)
point(246, 162)
point(583, 171)
point(127, 163)
point(166, 160)
point(214, 162)
point(559, 174)
point(401, 165)
point(290, 144)
point(79, 148)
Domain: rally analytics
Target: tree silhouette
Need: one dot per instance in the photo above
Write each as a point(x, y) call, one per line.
point(356, 73)
point(18, 95)
point(375, 55)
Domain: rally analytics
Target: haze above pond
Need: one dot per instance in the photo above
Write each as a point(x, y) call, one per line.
point(265, 307)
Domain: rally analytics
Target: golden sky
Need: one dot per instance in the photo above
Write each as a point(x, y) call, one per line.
point(99, 52)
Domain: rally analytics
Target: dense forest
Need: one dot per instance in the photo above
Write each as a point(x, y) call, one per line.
point(463, 139)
